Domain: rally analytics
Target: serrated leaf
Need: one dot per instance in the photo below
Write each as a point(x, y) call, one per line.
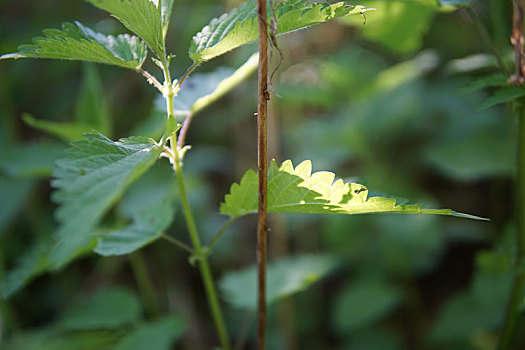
point(142, 17)
point(158, 335)
point(202, 89)
point(297, 190)
point(503, 95)
point(89, 182)
point(78, 42)
point(285, 278)
point(150, 206)
point(239, 26)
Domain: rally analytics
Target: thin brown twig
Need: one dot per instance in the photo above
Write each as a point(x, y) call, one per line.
point(262, 108)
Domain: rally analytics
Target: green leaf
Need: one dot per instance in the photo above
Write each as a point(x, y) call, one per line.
point(297, 190)
point(166, 7)
point(33, 262)
point(91, 112)
point(30, 160)
point(239, 26)
point(397, 25)
point(142, 17)
point(68, 132)
point(484, 82)
point(150, 206)
point(89, 182)
point(285, 278)
point(92, 107)
point(502, 95)
point(363, 302)
point(202, 89)
point(78, 42)
point(158, 335)
point(111, 307)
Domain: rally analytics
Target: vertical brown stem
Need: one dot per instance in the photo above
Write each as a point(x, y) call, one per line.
point(262, 106)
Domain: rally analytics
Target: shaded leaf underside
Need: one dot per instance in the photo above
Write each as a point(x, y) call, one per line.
point(239, 26)
point(78, 42)
point(297, 190)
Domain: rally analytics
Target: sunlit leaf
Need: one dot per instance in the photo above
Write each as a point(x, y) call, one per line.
point(198, 92)
point(89, 182)
point(297, 190)
point(202, 89)
point(142, 17)
point(78, 42)
point(239, 26)
point(284, 278)
point(397, 25)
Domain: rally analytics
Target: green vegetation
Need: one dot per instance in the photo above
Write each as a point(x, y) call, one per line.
point(392, 100)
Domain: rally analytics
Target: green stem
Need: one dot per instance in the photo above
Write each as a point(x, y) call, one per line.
point(200, 253)
point(146, 288)
point(515, 298)
point(202, 257)
point(187, 74)
point(220, 232)
point(178, 243)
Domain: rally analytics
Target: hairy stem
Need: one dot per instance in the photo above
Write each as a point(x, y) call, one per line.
point(144, 283)
point(151, 79)
point(262, 127)
point(201, 255)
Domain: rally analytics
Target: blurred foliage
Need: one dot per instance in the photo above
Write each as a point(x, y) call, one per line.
point(395, 102)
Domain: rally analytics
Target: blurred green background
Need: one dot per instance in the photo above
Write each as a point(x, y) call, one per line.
point(386, 104)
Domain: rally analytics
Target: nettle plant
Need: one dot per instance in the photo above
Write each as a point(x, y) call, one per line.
point(96, 171)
